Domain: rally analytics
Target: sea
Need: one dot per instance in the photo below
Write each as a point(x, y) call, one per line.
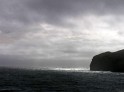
point(59, 80)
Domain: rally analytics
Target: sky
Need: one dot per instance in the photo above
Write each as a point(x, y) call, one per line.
point(59, 33)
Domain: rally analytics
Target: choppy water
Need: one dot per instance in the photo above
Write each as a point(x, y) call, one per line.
point(17, 80)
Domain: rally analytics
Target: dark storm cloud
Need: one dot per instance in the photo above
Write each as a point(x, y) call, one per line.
point(73, 7)
point(56, 10)
point(22, 13)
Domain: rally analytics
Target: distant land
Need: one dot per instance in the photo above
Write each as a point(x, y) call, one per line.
point(108, 61)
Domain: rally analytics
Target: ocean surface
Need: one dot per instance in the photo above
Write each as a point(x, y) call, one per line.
point(59, 80)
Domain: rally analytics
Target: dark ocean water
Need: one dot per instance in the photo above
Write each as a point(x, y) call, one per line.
point(17, 80)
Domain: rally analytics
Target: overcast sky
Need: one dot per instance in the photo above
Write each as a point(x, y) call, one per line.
point(59, 33)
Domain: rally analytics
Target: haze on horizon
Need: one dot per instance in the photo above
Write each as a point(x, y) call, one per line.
point(59, 33)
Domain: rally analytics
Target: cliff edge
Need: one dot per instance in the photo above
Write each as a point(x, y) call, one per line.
point(108, 61)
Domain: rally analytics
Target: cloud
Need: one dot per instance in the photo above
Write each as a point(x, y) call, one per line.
point(57, 29)
point(17, 15)
point(55, 9)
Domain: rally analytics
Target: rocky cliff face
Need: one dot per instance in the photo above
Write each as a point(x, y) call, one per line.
point(108, 61)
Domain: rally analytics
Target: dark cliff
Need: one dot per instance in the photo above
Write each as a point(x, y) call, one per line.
point(108, 61)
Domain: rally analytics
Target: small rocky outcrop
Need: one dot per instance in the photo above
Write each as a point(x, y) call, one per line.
point(108, 61)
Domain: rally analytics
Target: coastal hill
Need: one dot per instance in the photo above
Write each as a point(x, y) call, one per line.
point(108, 61)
